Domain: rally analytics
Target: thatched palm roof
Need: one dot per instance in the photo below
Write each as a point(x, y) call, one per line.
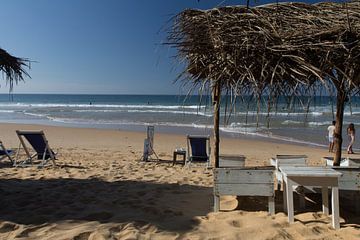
point(261, 47)
point(274, 49)
point(13, 68)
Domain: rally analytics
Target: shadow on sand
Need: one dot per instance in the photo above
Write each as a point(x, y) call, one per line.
point(49, 201)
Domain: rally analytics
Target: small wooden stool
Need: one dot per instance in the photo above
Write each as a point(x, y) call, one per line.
point(180, 152)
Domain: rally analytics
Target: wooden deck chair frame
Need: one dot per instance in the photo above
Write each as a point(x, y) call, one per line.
point(29, 160)
point(189, 148)
point(150, 137)
point(149, 144)
point(6, 153)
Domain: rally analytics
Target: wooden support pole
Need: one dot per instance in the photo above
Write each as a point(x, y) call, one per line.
point(216, 92)
point(340, 106)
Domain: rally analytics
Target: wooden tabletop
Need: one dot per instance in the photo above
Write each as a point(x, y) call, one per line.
point(304, 171)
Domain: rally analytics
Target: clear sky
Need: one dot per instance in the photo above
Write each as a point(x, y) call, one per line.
point(94, 46)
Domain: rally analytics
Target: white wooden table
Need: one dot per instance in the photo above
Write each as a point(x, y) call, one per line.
point(312, 176)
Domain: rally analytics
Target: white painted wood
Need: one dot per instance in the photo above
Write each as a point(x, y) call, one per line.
point(216, 203)
point(314, 181)
point(231, 160)
point(244, 182)
point(256, 189)
point(271, 205)
point(345, 162)
point(325, 200)
point(289, 200)
point(286, 160)
point(309, 171)
point(273, 162)
point(289, 156)
point(236, 175)
point(335, 207)
point(350, 179)
point(325, 177)
point(284, 197)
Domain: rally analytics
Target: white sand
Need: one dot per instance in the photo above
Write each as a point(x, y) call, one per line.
point(100, 190)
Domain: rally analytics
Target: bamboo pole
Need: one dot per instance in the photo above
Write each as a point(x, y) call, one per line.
point(216, 92)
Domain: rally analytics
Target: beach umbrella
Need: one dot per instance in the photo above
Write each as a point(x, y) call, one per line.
point(280, 49)
point(12, 68)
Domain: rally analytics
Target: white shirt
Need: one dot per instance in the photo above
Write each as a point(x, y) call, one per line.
point(331, 130)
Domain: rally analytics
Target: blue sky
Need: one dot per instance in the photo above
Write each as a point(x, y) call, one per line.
point(94, 46)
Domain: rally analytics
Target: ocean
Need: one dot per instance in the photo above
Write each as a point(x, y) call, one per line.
point(178, 114)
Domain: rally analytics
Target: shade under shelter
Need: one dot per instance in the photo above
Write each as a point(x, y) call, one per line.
point(274, 50)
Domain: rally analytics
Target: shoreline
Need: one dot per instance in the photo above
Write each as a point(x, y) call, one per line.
point(164, 143)
point(101, 190)
point(176, 130)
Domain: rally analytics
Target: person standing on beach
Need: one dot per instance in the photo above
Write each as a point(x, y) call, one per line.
point(331, 130)
point(351, 133)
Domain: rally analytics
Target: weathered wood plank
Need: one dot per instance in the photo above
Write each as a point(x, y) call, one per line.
point(243, 176)
point(314, 181)
point(289, 156)
point(309, 171)
point(248, 178)
point(231, 161)
point(244, 182)
point(345, 162)
point(244, 189)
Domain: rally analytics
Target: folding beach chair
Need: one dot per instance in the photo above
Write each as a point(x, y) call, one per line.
point(200, 149)
point(149, 144)
point(40, 145)
point(5, 153)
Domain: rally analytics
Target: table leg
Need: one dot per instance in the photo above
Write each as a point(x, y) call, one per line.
point(216, 203)
point(290, 200)
point(284, 196)
point(174, 158)
point(325, 200)
point(272, 205)
point(184, 158)
point(335, 207)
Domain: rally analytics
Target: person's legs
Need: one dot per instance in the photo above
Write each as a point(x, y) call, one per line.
point(331, 144)
point(351, 143)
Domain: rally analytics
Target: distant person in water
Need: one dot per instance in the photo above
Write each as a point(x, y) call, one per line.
point(351, 133)
point(331, 130)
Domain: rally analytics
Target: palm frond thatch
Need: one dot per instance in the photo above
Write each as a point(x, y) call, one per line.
point(275, 45)
point(275, 49)
point(13, 68)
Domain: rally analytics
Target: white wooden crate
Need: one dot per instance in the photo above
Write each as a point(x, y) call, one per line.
point(227, 160)
point(345, 162)
point(247, 181)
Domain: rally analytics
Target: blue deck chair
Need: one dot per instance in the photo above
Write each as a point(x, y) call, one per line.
point(5, 153)
point(200, 149)
point(40, 145)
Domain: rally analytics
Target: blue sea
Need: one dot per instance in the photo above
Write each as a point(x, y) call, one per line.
point(180, 114)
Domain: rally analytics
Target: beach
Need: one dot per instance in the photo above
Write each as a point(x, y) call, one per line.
point(101, 190)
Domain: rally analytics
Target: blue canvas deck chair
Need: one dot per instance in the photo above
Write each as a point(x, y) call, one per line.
point(6, 153)
point(198, 149)
point(41, 149)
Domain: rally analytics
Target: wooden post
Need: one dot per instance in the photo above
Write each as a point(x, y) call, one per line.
point(216, 92)
point(340, 106)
